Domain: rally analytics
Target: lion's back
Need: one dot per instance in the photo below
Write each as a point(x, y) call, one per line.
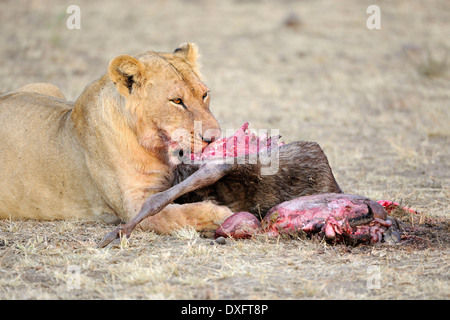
point(26, 116)
point(38, 158)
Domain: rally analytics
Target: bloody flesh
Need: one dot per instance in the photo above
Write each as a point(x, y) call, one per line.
point(241, 143)
point(338, 217)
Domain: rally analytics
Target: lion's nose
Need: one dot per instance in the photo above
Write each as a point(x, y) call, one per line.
point(210, 135)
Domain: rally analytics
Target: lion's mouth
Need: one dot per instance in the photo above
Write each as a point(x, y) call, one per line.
point(182, 151)
point(187, 147)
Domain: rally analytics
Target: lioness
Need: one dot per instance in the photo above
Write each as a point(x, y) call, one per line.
point(102, 156)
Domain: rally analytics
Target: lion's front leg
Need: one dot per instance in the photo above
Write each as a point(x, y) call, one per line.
point(202, 216)
point(207, 175)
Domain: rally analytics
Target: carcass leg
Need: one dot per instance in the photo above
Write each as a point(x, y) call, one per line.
point(207, 175)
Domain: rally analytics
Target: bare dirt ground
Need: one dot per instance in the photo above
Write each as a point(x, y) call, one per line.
point(377, 101)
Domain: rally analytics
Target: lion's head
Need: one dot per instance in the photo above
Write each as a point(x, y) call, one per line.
point(165, 99)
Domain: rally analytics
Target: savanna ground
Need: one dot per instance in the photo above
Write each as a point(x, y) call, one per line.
point(377, 101)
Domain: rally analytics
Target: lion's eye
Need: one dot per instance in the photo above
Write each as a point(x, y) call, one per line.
point(179, 102)
point(205, 95)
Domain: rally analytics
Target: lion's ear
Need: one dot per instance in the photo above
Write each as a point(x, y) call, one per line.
point(189, 52)
point(126, 71)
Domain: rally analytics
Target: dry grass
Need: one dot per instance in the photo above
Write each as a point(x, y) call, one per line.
point(38, 258)
point(376, 100)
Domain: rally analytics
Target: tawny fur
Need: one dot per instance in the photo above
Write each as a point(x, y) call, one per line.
point(102, 156)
